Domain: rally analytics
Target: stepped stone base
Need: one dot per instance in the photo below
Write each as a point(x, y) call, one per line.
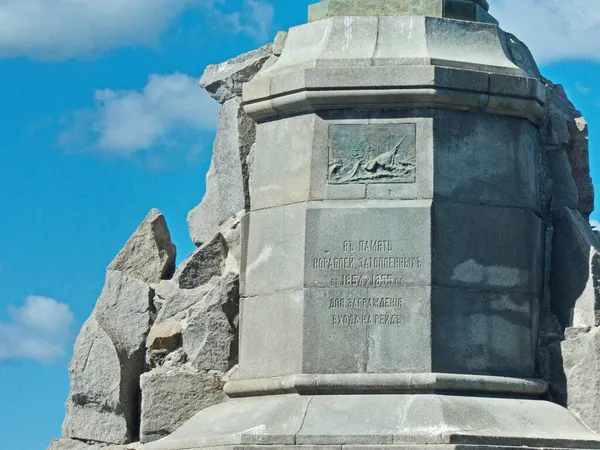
point(408, 421)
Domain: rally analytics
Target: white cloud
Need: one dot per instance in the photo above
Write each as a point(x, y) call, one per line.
point(40, 330)
point(595, 224)
point(60, 29)
point(123, 123)
point(553, 29)
point(255, 19)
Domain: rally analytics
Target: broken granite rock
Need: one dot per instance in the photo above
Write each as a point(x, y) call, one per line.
point(99, 407)
point(224, 81)
point(575, 271)
point(171, 397)
point(72, 444)
point(209, 332)
point(576, 382)
point(565, 140)
point(204, 264)
point(227, 181)
point(164, 340)
point(107, 363)
point(193, 341)
point(206, 317)
point(279, 43)
point(149, 254)
point(109, 356)
point(125, 310)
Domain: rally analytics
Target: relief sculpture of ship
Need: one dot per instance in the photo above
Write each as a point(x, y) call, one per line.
point(381, 155)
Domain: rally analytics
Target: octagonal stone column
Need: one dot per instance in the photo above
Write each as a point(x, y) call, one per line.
point(394, 225)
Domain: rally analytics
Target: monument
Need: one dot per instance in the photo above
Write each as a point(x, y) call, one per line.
point(393, 251)
point(394, 255)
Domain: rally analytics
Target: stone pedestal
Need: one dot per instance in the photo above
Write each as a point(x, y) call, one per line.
point(393, 259)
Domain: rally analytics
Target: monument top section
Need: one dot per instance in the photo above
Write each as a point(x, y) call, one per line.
point(471, 10)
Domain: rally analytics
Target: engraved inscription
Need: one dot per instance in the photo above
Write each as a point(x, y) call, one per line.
point(371, 311)
point(371, 264)
point(382, 153)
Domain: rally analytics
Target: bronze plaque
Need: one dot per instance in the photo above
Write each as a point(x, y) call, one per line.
point(384, 153)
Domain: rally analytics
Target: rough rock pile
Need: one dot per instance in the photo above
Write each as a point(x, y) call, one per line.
point(162, 340)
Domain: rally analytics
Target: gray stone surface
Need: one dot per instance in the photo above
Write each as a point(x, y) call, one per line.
point(149, 254)
point(164, 339)
point(575, 273)
point(100, 403)
point(290, 181)
point(107, 362)
point(275, 250)
point(476, 247)
point(481, 332)
point(209, 331)
point(125, 311)
point(312, 73)
point(202, 265)
point(262, 355)
point(566, 131)
point(504, 174)
point(381, 419)
point(72, 444)
point(224, 81)
point(225, 192)
point(577, 378)
point(227, 182)
point(171, 397)
point(279, 43)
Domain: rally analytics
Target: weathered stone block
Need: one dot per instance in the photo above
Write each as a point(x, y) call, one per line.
point(209, 330)
point(281, 172)
point(149, 254)
point(575, 272)
point(275, 250)
point(503, 174)
point(278, 351)
point(72, 444)
point(483, 332)
point(100, 405)
point(170, 397)
point(224, 81)
point(225, 189)
point(366, 330)
point(202, 265)
point(352, 245)
point(107, 363)
point(475, 247)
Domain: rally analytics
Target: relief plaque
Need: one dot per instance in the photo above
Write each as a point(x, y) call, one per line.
point(381, 153)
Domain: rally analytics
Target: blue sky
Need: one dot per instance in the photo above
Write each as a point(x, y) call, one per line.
point(101, 120)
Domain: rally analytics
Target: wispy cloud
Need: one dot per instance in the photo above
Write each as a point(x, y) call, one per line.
point(583, 89)
point(255, 19)
point(123, 123)
point(61, 29)
point(595, 224)
point(39, 331)
point(553, 29)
